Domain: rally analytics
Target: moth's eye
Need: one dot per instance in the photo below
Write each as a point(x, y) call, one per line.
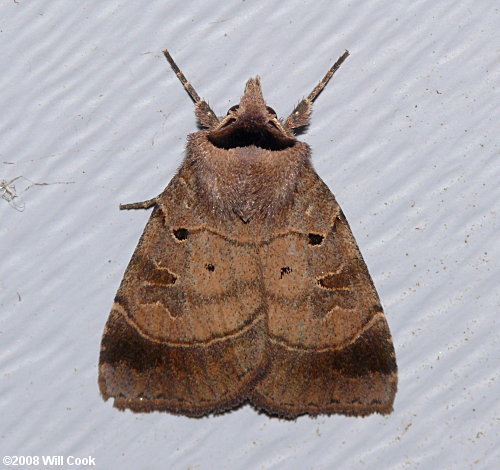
point(233, 108)
point(271, 110)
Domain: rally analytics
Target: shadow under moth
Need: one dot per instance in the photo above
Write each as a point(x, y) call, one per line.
point(247, 285)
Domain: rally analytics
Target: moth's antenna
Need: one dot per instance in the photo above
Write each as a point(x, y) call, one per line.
point(302, 112)
point(322, 84)
point(189, 88)
point(204, 112)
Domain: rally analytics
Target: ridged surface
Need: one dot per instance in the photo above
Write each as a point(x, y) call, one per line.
point(404, 136)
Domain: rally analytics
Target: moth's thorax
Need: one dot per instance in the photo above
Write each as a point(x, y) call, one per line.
point(249, 181)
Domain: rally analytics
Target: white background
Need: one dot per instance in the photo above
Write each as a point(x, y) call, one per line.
point(404, 135)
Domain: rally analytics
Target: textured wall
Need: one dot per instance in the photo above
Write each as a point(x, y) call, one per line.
point(404, 136)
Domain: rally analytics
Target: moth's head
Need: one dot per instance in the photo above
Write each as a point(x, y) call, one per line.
point(251, 122)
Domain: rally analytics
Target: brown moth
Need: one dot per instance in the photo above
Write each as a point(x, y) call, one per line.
point(247, 285)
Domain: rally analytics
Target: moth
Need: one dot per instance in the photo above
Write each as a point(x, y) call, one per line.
point(247, 285)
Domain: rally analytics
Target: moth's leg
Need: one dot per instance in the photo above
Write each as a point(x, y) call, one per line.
point(302, 112)
point(139, 205)
point(203, 111)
